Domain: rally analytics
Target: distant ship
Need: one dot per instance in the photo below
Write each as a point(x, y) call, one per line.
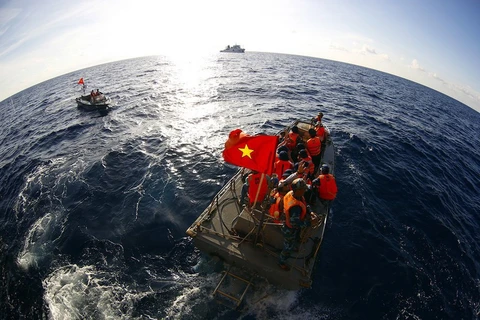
point(234, 48)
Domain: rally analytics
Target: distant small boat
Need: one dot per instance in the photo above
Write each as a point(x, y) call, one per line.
point(235, 48)
point(98, 102)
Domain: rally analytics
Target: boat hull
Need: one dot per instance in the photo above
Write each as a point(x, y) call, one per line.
point(84, 102)
point(234, 51)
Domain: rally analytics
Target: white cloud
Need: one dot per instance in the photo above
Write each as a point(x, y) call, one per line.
point(416, 66)
point(384, 56)
point(368, 49)
point(336, 46)
point(6, 15)
point(436, 77)
point(355, 38)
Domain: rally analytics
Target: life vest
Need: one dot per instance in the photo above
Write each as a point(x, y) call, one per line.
point(314, 146)
point(293, 140)
point(328, 187)
point(290, 201)
point(311, 166)
point(275, 211)
point(254, 185)
point(281, 165)
point(234, 137)
point(321, 132)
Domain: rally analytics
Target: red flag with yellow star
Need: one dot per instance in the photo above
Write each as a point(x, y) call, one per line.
point(252, 152)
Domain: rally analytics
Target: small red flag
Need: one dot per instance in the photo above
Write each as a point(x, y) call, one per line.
point(252, 152)
point(81, 81)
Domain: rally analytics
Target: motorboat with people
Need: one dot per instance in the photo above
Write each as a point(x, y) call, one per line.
point(235, 48)
point(96, 100)
point(249, 240)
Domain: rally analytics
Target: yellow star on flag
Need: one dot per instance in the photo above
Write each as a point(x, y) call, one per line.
point(246, 151)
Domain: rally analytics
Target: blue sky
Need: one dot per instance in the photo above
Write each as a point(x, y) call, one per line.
point(435, 43)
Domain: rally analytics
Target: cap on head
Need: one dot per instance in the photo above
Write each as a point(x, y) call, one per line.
point(283, 187)
point(295, 129)
point(283, 155)
point(287, 173)
point(312, 132)
point(325, 169)
point(303, 153)
point(320, 115)
point(298, 184)
point(282, 148)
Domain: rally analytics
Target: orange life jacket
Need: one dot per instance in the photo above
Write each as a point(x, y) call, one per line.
point(290, 201)
point(293, 140)
point(321, 132)
point(254, 185)
point(281, 165)
point(328, 187)
point(311, 166)
point(275, 211)
point(314, 146)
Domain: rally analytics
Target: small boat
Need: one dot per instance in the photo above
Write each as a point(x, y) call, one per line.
point(234, 48)
point(249, 240)
point(98, 102)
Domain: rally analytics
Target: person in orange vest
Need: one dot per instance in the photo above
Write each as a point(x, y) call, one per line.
point(276, 208)
point(310, 167)
point(297, 217)
point(314, 147)
point(318, 118)
point(282, 164)
point(281, 148)
point(293, 138)
point(327, 186)
point(234, 137)
point(256, 188)
point(320, 130)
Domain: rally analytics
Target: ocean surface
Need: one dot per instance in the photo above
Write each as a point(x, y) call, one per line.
point(94, 206)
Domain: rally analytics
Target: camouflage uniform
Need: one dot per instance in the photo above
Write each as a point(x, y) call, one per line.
point(292, 235)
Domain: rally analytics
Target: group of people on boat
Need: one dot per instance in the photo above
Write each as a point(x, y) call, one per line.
point(294, 184)
point(95, 95)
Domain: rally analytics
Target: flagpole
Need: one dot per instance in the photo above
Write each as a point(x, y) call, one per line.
point(262, 217)
point(258, 189)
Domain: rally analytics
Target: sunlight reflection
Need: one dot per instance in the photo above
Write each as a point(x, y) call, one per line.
point(196, 83)
point(192, 70)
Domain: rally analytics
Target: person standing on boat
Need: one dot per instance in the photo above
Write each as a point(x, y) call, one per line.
point(297, 217)
point(282, 164)
point(322, 132)
point(318, 118)
point(293, 138)
point(234, 137)
point(327, 186)
point(276, 208)
point(92, 96)
point(314, 147)
point(308, 162)
point(255, 187)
